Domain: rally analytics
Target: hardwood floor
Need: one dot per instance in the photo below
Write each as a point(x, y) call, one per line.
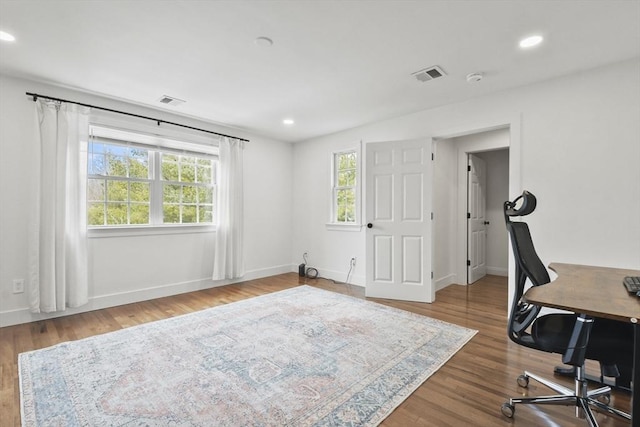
point(467, 390)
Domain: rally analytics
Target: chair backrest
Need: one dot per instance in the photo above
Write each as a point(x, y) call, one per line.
point(528, 266)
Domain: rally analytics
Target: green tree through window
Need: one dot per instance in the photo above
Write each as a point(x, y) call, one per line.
point(122, 180)
point(345, 187)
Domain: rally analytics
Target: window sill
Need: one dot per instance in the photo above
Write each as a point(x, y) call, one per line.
point(335, 226)
point(102, 232)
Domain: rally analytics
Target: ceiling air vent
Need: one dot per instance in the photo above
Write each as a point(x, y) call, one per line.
point(170, 100)
point(429, 73)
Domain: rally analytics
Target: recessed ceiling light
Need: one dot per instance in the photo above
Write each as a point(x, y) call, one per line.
point(263, 41)
point(288, 122)
point(530, 41)
point(7, 37)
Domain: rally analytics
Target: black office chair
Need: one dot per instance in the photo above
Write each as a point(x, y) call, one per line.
point(576, 337)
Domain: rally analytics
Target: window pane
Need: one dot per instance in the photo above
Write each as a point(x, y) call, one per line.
point(139, 192)
point(189, 194)
point(117, 191)
point(139, 213)
point(139, 166)
point(205, 195)
point(95, 190)
point(350, 214)
point(204, 174)
point(117, 150)
point(341, 213)
point(351, 160)
point(116, 165)
point(347, 178)
point(169, 169)
point(96, 163)
point(205, 213)
point(350, 177)
point(116, 213)
point(189, 214)
point(95, 214)
point(171, 214)
point(95, 147)
point(171, 193)
point(187, 172)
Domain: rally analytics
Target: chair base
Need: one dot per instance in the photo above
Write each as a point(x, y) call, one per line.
point(621, 383)
point(582, 399)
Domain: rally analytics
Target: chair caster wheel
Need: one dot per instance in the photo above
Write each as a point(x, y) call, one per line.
point(523, 381)
point(605, 398)
point(508, 409)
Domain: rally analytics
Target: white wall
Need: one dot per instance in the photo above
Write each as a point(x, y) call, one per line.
point(133, 268)
point(579, 148)
point(329, 251)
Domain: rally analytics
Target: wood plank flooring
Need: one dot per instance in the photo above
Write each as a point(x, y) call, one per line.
point(467, 390)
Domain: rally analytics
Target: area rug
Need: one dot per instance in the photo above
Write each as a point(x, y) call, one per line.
point(298, 357)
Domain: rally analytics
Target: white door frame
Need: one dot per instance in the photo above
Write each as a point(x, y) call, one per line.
point(513, 123)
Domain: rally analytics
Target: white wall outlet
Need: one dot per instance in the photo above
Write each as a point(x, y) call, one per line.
point(18, 286)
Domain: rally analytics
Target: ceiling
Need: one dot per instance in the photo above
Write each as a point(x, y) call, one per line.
point(333, 65)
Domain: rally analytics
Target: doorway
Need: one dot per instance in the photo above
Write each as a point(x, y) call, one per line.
point(450, 204)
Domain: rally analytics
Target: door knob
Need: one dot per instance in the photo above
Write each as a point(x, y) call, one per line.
point(369, 225)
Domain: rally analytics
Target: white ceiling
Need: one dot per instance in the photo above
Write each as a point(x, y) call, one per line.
point(333, 65)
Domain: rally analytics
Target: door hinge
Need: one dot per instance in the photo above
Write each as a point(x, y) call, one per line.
point(432, 274)
point(468, 168)
point(468, 215)
point(468, 263)
point(431, 216)
point(433, 156)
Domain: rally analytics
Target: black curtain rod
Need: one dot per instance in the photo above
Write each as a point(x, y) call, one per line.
point(35, 96)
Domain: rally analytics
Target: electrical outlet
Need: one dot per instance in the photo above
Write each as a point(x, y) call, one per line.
point(18, 286)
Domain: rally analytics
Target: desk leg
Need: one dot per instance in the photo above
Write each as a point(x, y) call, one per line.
point(635, 391)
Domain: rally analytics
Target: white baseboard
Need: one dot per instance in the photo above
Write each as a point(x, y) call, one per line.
point(498, 271)
point(23, 315)
point(445, 281)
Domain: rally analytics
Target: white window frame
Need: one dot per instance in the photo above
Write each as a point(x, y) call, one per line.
point(333, 224)
point(156, 145)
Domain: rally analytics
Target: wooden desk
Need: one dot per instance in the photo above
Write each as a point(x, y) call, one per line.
point(598, 292)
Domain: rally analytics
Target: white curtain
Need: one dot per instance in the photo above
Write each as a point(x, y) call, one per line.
point(228, 260)
point(58, 237)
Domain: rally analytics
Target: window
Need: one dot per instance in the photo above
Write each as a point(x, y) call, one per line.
point(345, 197)
point(187, 190)
point(131, 184)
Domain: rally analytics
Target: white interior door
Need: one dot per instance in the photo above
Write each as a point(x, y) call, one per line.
point(398, 211)
point(476, 219)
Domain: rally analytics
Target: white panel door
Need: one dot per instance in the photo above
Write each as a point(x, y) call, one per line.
point(476, 219)
point(398, 211)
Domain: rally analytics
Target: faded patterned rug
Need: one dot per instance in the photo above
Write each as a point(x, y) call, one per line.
point(299, 357)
